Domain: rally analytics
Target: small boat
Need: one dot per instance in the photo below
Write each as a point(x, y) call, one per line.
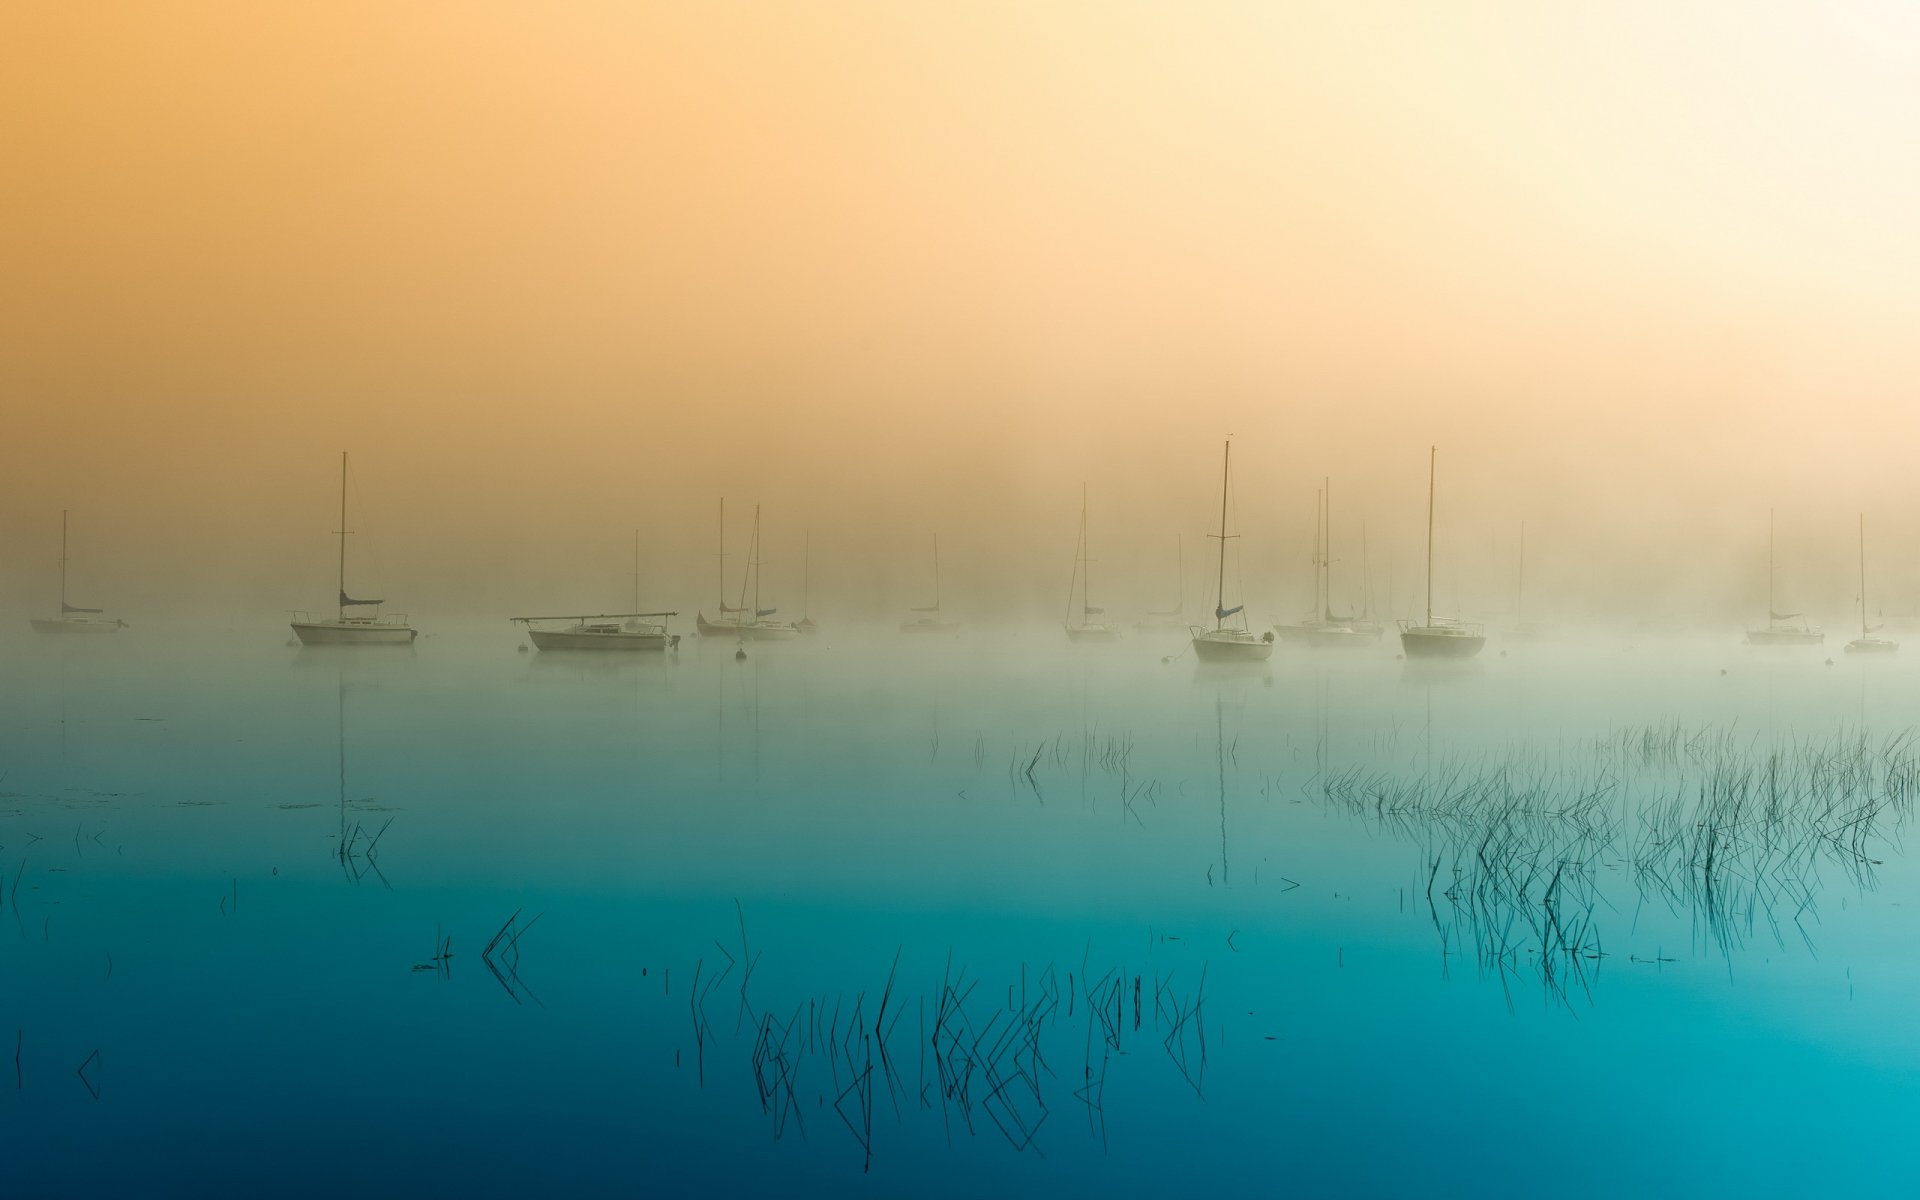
point(728, 623)
point(928, 619)
point(1323, 627)
point(1175, 618)
point(73, 618)
point(806, 624)
point(1225, 643)
point(1438, 637)
point(1782, 629)
point(1866, 643)
point(1086, 629)
point(752, 623)
point(356, 630)
point(603, 631)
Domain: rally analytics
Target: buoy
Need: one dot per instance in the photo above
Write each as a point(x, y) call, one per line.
point(740, 655)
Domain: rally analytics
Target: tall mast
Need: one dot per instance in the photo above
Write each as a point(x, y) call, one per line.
point(1326, 548)
point(1086, 559)
point(1180, 574)
point(936, 574)
point(1220, 580)
point(723, 556)
point(806, 573)
point(63, 562)
point(341, 608)
point(1520, 576)
point(636, 570)
point(1366, 575)
point(1863, 575)
point(1769, 567)
point(1433, 458)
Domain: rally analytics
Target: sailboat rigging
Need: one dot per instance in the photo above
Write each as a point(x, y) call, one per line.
point(1438, 637)
point(1867, 643)
point(1081, 625)
point(73, 618)
point(355, 630)
point(1224, 643)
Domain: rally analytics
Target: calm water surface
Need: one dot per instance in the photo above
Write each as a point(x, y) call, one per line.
point(873, 915)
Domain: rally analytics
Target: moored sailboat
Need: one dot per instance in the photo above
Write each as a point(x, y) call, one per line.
point(604, 631)
point(929, 619)
point(728, 623)
point(1223, 642)
point(1438, 637)
point(1085, 629)
point(1782, 629)
point(73, 618)
point(1323, 627)
point(356, 630)
point(1866, 643)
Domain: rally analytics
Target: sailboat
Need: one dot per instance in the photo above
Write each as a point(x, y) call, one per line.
point(1086, 629)
point(356, 630)
point(1783, 629)
point(1522, 628)
point(1173, 618)
point(806, 623)
point(1866, 643)
point(1322, 627)
point(1438, 637)
point(928, 619)
point(727, 624)
point(753, 623)
point(606, 631)
point(1223, 643)
point(73, 618)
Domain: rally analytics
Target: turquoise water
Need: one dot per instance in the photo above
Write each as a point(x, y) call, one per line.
point(892, 916)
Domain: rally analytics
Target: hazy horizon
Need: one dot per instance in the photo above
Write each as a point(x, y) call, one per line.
point(897, 271)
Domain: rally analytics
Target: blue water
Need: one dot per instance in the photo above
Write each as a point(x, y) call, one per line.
point(873, 915)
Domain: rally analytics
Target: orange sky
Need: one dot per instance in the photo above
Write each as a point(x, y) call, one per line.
point(1641, 270)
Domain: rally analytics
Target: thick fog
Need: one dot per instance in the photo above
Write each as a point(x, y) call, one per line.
point(897, 271)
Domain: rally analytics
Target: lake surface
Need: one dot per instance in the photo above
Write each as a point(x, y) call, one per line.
point(875, 915)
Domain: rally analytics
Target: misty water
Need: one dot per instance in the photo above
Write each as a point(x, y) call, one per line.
point(875, 915)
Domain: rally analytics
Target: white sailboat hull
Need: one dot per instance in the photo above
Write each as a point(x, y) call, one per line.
point(353, 633)
point(1231, 645)
point(589, 639)
point(1785, 637)
point(1871, 645)
point(74, 625)
point(1440, 641)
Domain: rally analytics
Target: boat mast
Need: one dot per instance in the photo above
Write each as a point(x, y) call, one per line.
point(806, 573)
point(63, 563)
point(1326, 548)
point(1433, 457)
point(1770, 567)
point(1366, 576)
point(1220, 579)
point(636, 570)
point(340, 609)
point(1086, 559)
point(1520, 576)
point(1863, 575)
point(723, 558)
point(936, 575)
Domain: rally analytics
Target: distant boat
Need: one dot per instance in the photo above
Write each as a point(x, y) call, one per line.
point(1158, 620)
point(1085, 628)
point(344, 630)
point(606, 631)
point(1438, 637)
point(1222, 643)
point(603, 631)
point(1866, 643)
point(752, 623)
point(728, 623)
point(806, 624)
point(1323, 627)
point(929, 620)
point(73, 618)
point(1522, 628)
point(1783, 629)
